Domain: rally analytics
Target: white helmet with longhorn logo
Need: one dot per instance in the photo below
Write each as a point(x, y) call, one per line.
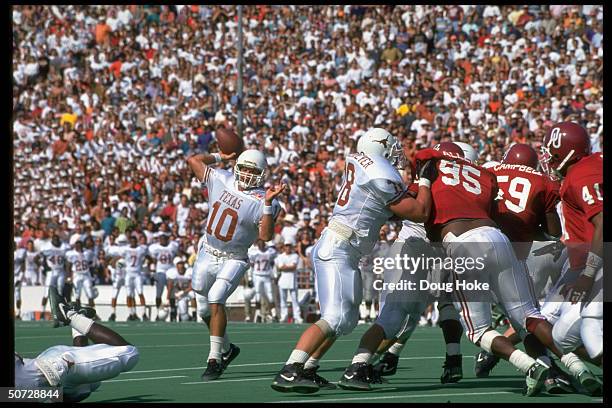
point(379, 142)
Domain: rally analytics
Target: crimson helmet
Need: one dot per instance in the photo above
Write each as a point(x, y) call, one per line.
point(521, 154)
point(449, 147)
point(564, 144)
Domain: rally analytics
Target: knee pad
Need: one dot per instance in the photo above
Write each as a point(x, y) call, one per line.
point(130, 359)
point(220, 291)
point(325, 328)
point(203, 309)
point(591, 333)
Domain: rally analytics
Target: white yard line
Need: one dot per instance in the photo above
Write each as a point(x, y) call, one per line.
point(145, 379)
point(392, 396)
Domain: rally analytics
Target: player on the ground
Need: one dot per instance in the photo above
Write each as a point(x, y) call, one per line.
point(78, 369)
point(240, 212)
point(55, 260)
point(32, 265)
point(134, 256)
point(373, 191)
point(566, 154)
point(287, 264)
point(163, 253)
point(79, 263)
point(180, 292)
point(262, 262)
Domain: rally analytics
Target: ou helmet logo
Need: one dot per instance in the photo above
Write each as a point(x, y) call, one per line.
point(555, 138)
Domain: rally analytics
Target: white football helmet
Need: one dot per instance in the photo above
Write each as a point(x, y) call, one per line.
point(120, 264)
point(468, 151)
point(256, 162)
point(379, 142)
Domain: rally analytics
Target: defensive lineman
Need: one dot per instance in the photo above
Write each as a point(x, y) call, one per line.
point(240, 212)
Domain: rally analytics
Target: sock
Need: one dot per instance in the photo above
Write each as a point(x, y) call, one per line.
point(396, 348)
point(452, 349)
point(80, 323)
point(573, 363)
point(362, 356)
point(226, 344)
point(297, 356)
point(521, 361)
point(216, 345)
point(312, 363)
point(114, 309)
point(144, 310)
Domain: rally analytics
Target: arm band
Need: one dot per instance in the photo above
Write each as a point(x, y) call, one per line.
point(268, 210)
point(594, 262)
point(424, 183)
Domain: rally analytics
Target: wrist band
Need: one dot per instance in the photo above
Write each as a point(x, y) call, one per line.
point(217, 157)
point(594, 262)
point(267, 210)
point(424, 183)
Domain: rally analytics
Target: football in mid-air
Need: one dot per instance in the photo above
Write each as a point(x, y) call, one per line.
point(229, 142)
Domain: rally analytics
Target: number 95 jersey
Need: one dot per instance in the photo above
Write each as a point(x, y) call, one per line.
point(234, 216)
point(371, 184)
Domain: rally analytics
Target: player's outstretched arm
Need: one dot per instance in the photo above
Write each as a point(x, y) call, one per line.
point(199, 162)
point(266, 227)
point(418, 209)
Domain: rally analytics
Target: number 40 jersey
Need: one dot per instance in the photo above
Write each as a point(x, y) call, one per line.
point(234, 216)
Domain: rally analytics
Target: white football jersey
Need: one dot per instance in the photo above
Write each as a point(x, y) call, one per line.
point(30, 261)
point(181, 282)
point(116, 273)
point(134, 257)
point(234, 216)
point(412, 229)
point(262, 261)
point(19, 259)
point(287, 280)
point(164, 255)
point(370, 185)
point(81, 261)
point(55, 257)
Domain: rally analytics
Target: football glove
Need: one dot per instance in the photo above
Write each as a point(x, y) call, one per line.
point(555, 248)
point(428, 170)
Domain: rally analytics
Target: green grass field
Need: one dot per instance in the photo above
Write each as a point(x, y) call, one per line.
point(172, 357)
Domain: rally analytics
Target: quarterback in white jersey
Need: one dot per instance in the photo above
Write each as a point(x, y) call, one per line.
point(80, 368)
point(262, 262)
point(80, 262)
point(55, 260)
point(19, 261)
point(134, 256)
point(240, 212)
point(373, 191)
point(163, 252)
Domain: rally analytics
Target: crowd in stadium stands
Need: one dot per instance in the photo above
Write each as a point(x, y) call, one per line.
point(110, 101)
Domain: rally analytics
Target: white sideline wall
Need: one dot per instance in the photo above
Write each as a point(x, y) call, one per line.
point(31, 297)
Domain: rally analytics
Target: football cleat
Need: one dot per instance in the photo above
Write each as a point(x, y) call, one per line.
point(232, 353)
point(356, 377)
point(145, 318)
point(59, 308)
point(453, 369)
point(213, 370)
point(484, 363)
point(291, 379)
point(535, 378)
point(311, 374)
point(112, 318)
point(590, 383)
point(54, 370)
point(387, 364)
point(558, 382)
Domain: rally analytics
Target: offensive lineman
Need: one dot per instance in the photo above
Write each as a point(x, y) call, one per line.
point(373, 191)
point(240, 212)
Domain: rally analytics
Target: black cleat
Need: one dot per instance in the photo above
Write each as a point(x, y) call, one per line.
point(145, 318)
point(356, 377)
point(232, 353)
point(484, 363)
point(311, 374)
point(453, 369)
point(112, 318)
point(59, 308)
point(291, 379)
point(387, 364)
point(213, 370)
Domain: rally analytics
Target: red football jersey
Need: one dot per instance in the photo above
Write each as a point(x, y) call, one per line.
point(581, 199)
point(525, 197)
point(461, 190)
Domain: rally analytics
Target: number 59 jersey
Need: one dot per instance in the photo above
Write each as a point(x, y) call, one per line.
point(370, 185)
point(461, 190)
point(234, 216)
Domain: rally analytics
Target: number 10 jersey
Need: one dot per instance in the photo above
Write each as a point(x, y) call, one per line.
point(234, 216)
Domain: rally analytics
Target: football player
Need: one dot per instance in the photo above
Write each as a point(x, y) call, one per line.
point(566, 154)
point(55, 259)
point(79, 263)
point(262, 261)
point(240, 212)
point(287, 264)
point(179, 289)
point(163, 253)
point(19, 262)
point(372, 192)
point(118, 278)
point(78, 369)
point(32, 265)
